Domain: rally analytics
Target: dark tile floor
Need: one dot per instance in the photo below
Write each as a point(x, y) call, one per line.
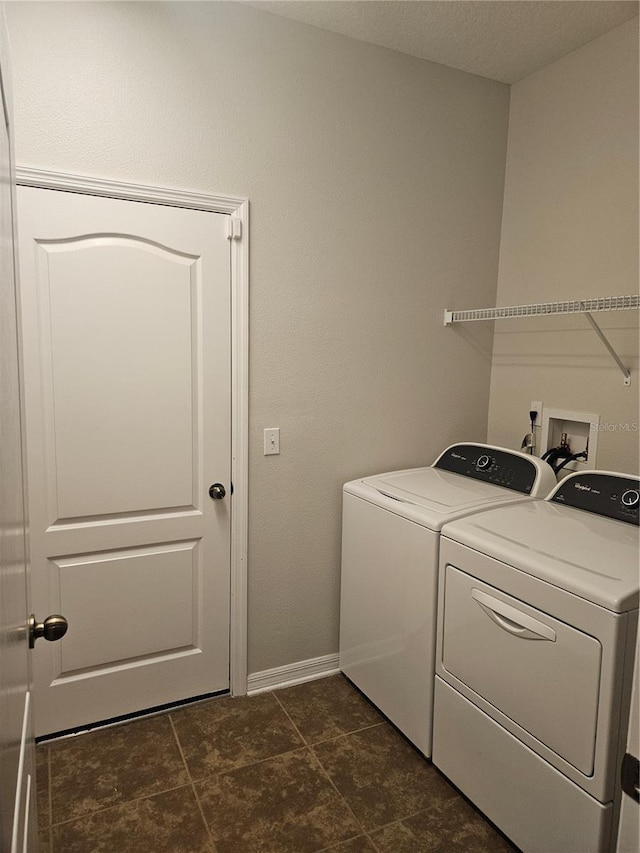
point(305, 769)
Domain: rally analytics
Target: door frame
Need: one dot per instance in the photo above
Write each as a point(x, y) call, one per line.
point(238, 210)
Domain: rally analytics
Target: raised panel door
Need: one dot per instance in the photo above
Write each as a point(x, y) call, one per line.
point(127, 370)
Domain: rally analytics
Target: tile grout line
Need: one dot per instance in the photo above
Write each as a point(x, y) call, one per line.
point(339, 844)
point(382, 722)
point(118, 805)
point(354, 732)
point(271, 757)
point(340, 737)
point(375, 846)
point(378, 828)
point(342, 797)
point(295, 728)
point(321, 766)
point(251, 764)
point(190, 778)
point(399, 820)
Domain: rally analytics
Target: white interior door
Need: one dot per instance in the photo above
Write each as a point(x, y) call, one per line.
point(17, 768)
point(126, 316)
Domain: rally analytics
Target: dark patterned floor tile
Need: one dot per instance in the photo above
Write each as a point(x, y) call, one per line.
point(165, 823)
point(44, 841)
point(227, 733)
point(380, 775)
point(451, 826)
point(328, 707)
point(42, 785)
point(282, 805)
point(100, 769)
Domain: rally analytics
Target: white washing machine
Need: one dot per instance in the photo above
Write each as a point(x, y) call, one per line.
point(390, 535)
point(537, 620)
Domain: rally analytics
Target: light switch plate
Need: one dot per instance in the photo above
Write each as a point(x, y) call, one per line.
point(272, 441)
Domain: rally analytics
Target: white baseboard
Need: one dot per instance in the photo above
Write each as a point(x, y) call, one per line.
point(293, 673)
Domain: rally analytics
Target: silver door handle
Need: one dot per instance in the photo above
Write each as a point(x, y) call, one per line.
point(53, 628)
point(512, 620)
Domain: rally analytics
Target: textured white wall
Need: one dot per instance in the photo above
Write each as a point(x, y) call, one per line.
point(375, 182)
point(570, 230)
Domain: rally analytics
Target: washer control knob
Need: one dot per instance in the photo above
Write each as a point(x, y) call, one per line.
point(631, 497)
point(483, 463)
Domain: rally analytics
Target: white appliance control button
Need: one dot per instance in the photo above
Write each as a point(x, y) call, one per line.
point(630, 497)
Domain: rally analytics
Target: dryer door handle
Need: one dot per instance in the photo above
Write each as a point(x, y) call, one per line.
point(512, 620)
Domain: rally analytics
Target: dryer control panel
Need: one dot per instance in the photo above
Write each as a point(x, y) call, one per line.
point(611, 495)
point(491, 465)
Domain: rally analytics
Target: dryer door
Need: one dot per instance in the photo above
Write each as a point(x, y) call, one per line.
point(540, 672)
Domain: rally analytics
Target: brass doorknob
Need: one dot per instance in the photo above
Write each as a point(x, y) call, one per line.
point(53, 628)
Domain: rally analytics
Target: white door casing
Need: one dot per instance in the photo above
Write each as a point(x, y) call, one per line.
point(18, 824)
point(127, 366)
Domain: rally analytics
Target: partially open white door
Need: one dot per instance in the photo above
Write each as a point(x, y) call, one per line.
point(127, 370)
point(18, 825)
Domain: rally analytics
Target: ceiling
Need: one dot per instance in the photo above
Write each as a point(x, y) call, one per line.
point(502, 39)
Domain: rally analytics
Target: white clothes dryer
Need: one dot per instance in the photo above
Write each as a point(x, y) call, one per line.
point(537, 622)
point(390, 536)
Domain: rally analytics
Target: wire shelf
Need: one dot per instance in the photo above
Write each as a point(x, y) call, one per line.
point(574, 306)
point(547, 309)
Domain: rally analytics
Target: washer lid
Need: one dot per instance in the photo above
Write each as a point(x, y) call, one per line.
point(430, 496)
point(586, 554)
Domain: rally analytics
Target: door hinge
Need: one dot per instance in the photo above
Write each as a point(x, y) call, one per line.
point(234, 228)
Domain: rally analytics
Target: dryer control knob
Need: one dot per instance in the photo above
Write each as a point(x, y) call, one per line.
point(630, 497)
point(483, 463)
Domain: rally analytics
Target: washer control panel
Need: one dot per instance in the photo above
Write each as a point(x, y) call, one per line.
point(491, 465)
point(612, 495)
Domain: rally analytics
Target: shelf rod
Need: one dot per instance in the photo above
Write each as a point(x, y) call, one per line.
point(596, 328)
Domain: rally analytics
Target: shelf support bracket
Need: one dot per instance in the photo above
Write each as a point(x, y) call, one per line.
point(596, 328)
